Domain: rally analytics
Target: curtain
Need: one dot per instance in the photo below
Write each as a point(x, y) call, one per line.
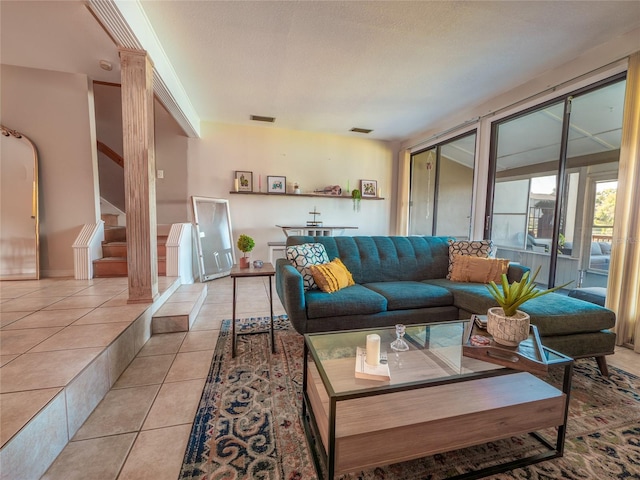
point(404, 179)
point(623, 289)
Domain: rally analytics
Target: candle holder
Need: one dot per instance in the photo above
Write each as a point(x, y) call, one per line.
point(399, 345)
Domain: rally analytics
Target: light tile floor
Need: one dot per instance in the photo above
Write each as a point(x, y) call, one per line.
point(140, 430)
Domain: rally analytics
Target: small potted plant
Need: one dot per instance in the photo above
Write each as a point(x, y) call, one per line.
point(356, 195)
point(506, 324)
point(245, 245)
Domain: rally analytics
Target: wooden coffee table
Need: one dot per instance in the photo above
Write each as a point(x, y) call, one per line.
point(437, 400)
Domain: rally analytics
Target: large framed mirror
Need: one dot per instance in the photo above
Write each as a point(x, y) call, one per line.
point(214, 239)
point(19, 228)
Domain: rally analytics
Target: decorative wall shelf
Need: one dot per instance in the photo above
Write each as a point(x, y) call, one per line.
point(314, 195)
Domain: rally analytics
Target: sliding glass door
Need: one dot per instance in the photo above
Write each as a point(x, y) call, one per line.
point(442, 188)
point(552, 190)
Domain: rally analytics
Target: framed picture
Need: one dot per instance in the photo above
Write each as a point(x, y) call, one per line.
point(369, 188)
point(244, 181)
point(276, 184)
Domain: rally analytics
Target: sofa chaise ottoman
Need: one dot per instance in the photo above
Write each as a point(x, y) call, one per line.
point(404, 280)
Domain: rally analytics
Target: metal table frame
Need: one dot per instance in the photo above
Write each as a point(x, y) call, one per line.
point(325, 461)
point(267, 270)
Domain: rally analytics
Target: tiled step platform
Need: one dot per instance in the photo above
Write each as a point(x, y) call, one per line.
point(47, 395)
point(181, 309)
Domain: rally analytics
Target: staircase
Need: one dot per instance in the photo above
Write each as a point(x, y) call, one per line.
point(114, 254)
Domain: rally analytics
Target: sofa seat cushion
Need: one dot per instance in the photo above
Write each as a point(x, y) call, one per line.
point(354, 300)
point(557, 314)
point(553, 314)
point(406, 295)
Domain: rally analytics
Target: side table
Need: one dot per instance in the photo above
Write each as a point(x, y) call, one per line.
point(267, 270)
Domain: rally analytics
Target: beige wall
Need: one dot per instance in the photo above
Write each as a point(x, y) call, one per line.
point(171, 157)
point(314, 160)
point(54, 111)
point(172, 199)
point(108, 106)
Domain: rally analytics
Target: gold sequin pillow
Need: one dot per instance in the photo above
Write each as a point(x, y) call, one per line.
point(331, 277)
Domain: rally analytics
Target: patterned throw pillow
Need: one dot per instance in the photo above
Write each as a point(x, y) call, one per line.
point(331, 277)
point(475, 248)
point(305, 255)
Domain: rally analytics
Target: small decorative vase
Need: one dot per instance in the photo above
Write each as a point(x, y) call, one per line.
point(508, 331)
point(244, 262)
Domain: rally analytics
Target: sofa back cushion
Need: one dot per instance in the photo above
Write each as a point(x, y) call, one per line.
point(386, 258)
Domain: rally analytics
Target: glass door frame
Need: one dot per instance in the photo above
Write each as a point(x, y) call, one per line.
point(561, 174)
point(437, 148)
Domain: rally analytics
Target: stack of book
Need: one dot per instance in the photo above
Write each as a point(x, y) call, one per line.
point(370, 372)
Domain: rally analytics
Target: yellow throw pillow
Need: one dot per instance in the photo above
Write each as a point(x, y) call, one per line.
point(477, 269)
point(331, 277)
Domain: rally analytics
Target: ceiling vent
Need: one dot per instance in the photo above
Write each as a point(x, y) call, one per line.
point(260, 118)
point(361, 130)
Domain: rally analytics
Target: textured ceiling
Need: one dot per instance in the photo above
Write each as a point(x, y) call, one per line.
point(394, 67)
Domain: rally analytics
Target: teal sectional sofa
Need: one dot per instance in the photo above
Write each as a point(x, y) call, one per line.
point(403, 280)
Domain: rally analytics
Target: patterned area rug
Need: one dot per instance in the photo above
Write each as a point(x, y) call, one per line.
point(248, 422)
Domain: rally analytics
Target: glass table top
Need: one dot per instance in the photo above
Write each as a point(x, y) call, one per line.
point(435, 355)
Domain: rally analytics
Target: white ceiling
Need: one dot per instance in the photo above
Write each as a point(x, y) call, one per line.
point(391, 66)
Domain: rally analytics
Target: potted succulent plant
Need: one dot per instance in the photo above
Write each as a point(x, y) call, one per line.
point(505, 323)
point(245, 245)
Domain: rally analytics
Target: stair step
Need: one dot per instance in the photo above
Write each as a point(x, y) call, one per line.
point(114, 249)
point(110, 219)
point(110, 267)
point(180, 310)
point(119, 249)
point(115, 234)
point(107, 267)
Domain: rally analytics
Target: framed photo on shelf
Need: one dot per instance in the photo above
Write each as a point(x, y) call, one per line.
point(243, 181)
point(276, 184)
point(369, 188)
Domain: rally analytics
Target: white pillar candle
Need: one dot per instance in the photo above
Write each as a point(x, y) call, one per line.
point(236, 185)
point(373, 349)
point(380, 192)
